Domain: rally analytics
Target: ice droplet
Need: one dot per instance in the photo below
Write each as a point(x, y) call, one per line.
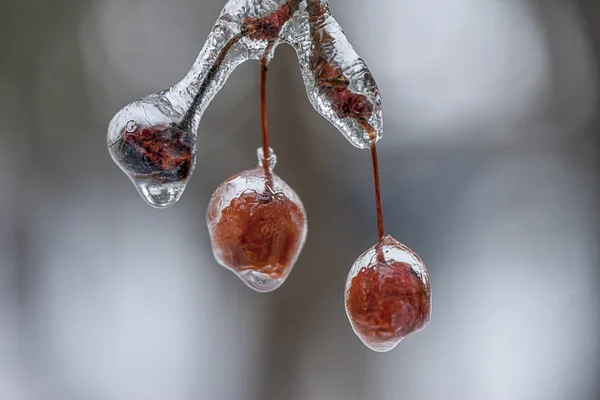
point(159, 195)
point(260, 282)
point(257, 226)
point(388, 295)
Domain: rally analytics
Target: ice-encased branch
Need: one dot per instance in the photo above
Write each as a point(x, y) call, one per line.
point(338, 83)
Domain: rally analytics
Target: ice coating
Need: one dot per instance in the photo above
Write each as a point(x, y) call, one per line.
point(388, 295)
point(338, 83)
point(158, 157)
point(257, 226)
point(148, 162)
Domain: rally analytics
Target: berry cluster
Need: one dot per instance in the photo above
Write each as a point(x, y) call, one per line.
point(257, 223)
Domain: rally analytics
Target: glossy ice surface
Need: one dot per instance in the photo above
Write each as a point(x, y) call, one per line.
point(257, 226)
point(158, 158)
point(388, 295)
point(338, 84)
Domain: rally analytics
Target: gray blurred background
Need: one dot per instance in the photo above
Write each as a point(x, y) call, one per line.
point(489, 171)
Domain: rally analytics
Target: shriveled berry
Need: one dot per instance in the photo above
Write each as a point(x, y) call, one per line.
point(163, 153)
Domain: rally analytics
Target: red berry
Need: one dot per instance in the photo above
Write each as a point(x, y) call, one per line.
point(388, 295)
point(257, 226)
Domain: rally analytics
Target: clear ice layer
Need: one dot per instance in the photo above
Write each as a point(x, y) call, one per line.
point(257, 226)
point(388, 295)
point(338, 83)
point(154, 152)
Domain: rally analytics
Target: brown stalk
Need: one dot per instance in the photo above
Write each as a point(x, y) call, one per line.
point(263, 113)
point(375, 162)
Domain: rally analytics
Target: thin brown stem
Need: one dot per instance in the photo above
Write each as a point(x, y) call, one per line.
point(263, 113)
point(375, 162)
point(186, 122)
point(380, 225)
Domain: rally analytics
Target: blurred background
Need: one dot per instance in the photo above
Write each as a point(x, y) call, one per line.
point(489, 170)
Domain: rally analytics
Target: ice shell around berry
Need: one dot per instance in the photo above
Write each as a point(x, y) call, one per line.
point(146, 140)
point(388, 295)
point(257, 225)
point(158, 160)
